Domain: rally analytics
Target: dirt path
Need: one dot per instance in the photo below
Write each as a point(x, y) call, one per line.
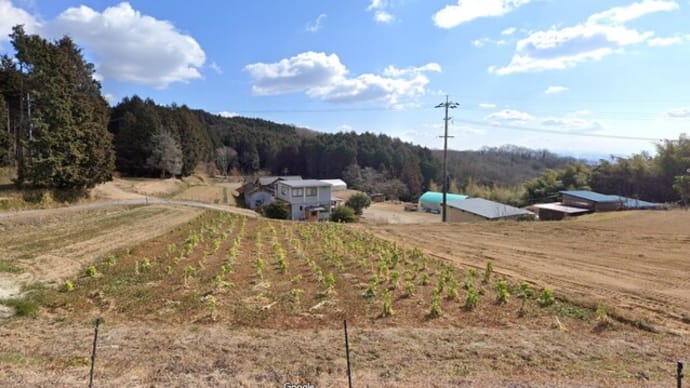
point(639, 263)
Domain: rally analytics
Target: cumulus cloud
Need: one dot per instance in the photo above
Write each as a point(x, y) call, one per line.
point(555, 90)
point(487, 105)
point(509, 116)
point(467, 10)
point(380, 10)
point(316, 25)
point(323, 76)
point(603, 34)
point(10, 16)
point(678, 113)
point(130, 46)
point(227, 114)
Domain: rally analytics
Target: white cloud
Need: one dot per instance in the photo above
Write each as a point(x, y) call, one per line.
point(678, 113)
point(216, 67)
point(668, 41)
point(509, 31)
point(576, 124)
point(227, 114)
point(467, 10)
point(583, 112)
point(487, 106)
point(384, 17)
point(601, 35)
point(323, 76)
point(510, 116)
point(556, 90)
point(345, 128)
point(316, 24)
point(129, 46)
point(381, 13)
point(10, 16)
point(484, 41)
point(110, 98)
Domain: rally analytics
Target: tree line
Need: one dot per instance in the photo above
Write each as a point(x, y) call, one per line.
point(58, 131)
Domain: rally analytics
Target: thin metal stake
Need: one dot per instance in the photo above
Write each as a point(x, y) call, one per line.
point(679, 374)
point(93, 352)
point(347, 352)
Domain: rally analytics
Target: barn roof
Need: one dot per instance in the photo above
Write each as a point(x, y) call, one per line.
point(591, 196)
point(268, 180)
point(632, 203)
point(559, 207)
point(488, 209)
point(437, 198)
point(335, 182)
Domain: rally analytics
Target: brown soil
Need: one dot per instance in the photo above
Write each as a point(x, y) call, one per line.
point(635, 262)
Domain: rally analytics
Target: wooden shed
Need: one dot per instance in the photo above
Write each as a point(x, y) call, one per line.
point(591, 200)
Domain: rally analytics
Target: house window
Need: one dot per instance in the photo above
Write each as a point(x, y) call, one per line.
point(310, 191)
point(283, 190)
point(297, 192)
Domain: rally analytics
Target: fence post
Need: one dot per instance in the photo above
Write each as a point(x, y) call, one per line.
point(93, 352)
point(347, 353)
point(679, 373)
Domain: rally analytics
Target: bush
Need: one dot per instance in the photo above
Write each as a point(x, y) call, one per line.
point(358, 202)
point(343, 214)
point(23, 308)
point(546, 298)
point(277, 209)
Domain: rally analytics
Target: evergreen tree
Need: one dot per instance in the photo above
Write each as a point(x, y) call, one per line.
point(68, 144)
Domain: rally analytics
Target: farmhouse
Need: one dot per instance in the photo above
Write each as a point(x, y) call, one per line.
point(431, 201)
point(336, 184)
point(261, 190)
point(309, 199)
point(556, 211)
point(480, 209)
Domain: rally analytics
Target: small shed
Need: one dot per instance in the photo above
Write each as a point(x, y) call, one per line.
point(480, 209)
point(432, 201)
point(556, 211)
point(336, 184)
point(591, 200)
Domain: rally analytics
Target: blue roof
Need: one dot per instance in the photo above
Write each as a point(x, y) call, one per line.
point(591, 196)
point(433, 197)
point(628, 203)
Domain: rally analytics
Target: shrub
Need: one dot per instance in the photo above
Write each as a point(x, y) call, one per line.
point(358, 202)
point(435, 311)
point(91, 271)
point(387, 304)
point(488, 271)
point(68, 286)
point(471, 299)
point(546, 298)
point(343, 214)
point(23, 308)
point(502, 293)
point(277, 209)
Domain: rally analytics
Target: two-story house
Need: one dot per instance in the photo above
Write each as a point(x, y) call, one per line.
point(309, 199)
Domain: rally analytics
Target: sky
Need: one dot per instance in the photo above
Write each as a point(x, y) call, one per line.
point(588, 78)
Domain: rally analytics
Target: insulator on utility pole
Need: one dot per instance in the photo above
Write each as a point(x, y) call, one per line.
point(447, 105)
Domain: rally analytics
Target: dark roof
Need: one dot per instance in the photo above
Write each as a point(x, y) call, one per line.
point(591, 196)
point(305, 183)
point(559, 207)
point(269, 180)
point(487, 209)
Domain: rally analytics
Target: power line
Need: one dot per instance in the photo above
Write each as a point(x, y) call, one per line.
point(555, 132)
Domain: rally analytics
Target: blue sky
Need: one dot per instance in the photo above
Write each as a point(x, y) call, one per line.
point(576, 77)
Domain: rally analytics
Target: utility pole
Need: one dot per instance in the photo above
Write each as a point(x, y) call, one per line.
point(447, 105)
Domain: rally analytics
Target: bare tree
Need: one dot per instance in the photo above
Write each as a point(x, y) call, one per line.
point(166, 154)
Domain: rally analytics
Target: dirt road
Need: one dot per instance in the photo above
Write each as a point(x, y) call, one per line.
point(635, 262)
